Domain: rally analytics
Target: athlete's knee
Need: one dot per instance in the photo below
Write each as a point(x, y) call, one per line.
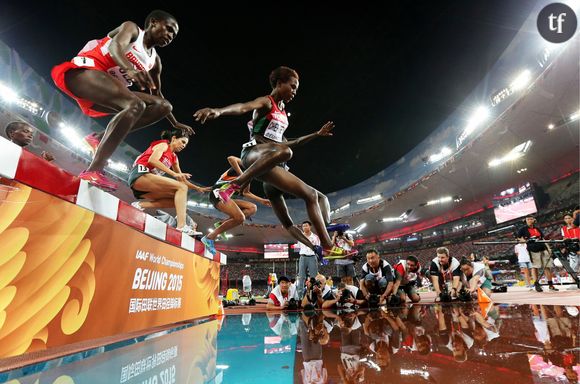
point(136, 107)
point(238, 218)
point(310, 194)
point(250, 210)
point(284, 154)
point(163, 106)
point(177, 186)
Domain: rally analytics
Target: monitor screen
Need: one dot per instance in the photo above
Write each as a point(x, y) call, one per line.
point(276, 251)
point(514, 203)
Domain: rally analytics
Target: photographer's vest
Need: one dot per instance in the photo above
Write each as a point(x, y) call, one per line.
point(379, 274)
point(278, 293)
point(478, 270)
point(447, 274)
point(409, 277)
point(353, 289)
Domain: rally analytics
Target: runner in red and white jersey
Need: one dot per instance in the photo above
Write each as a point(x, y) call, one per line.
point(157, 191)
point(98, 79)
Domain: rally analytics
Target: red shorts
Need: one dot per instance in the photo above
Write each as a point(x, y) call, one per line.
point(58, 73)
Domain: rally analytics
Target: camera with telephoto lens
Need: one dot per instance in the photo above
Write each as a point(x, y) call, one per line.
point(315, 283)
point(395, 301)
point(292, 304)
point(345, 294)
point(374, 301)
point(445, 296)
point(464, 295)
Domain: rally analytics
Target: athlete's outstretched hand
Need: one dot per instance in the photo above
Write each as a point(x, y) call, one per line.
point(185, 128)
point(326, 129)
point(182, 176)
point(206, 114)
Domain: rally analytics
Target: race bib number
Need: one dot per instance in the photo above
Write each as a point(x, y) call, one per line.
point(275, 131)
point(81, 61)
point(120, 76)
point(142, 169)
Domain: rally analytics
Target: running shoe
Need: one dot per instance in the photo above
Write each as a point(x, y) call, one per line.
point(98, 179)
point(336, 251)
point(186, 229)
point(538, 287)
point(137, 204)
point(91, 142)
point(552, 288)
point(209, 245)
point(337, 227)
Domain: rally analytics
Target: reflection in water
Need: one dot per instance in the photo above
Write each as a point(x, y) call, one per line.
point(456, 343)
point(186, 356)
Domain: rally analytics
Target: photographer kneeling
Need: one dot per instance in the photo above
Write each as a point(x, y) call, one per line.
point(317, 292)
point(346, 296)
point(376, 279)
point(283, 296)
point(473, 276)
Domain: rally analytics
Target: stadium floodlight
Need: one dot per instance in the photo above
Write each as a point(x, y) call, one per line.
point(72, 136)
point(7, 94)
point(369, 199)
point(441, 200)
point(480, 115)
point(575, 116)
point(390, 219)
point(444, 152)
point(360, 227)
point(117, 165)
point(517, 152)
point(521, 81)
point(192, 203)
point(344, 207)
point(550, 126)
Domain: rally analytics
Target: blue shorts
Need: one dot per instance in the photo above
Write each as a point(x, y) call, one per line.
point(527, 264)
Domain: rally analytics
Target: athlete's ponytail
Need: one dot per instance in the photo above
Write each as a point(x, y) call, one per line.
point(169, 133)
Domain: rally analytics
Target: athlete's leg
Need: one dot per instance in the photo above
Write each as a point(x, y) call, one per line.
point(281, 210)
point(156, 109)
point(289, 183)
point(100, 88)
point(261, 159)
point(157, 203)
point(236, 217)
point(248, 209)
point(324, 206)
point(160, 184)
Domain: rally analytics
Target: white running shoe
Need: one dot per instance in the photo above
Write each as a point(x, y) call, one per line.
point(137, 204)
point(187, 230)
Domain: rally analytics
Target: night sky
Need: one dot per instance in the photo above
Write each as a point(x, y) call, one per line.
point(386, 78)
